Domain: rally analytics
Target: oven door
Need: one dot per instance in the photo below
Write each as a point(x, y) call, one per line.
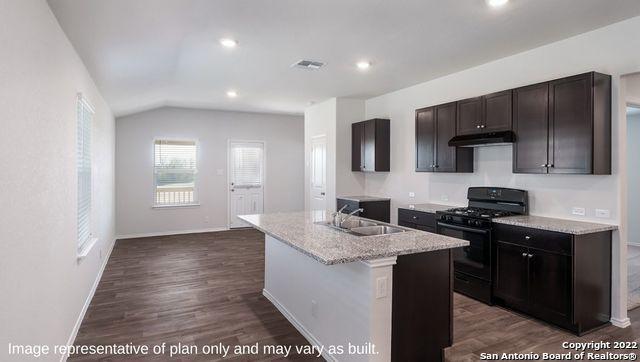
point(474, 259)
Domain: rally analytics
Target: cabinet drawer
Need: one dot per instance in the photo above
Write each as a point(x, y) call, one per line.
point(535, 238)
point(417, 217)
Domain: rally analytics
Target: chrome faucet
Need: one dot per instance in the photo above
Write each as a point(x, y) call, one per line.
point(338, 220)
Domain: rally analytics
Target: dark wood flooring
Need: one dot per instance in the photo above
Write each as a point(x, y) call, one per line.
point(205, 289)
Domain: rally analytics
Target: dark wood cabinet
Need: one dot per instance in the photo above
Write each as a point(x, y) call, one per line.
point(563, 126)
point(530, 124)
point(370, 145)
point(469, 116)
point(498, 113)
point(511, 282)
point(419, 220)
point(375, 209)
point(435, 126)
point(560, 278)
point(489, 113)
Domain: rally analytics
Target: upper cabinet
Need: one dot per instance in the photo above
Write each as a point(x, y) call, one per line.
point(489, 113)
point(563, 126)
point(435, 126)
point(370, 145)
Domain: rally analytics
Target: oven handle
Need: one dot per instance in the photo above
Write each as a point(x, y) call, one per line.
point(462, 228)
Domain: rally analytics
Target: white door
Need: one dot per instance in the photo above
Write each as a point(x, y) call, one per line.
point(246, 180)
point(318, 173)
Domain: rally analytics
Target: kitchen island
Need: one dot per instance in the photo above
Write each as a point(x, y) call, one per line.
point(361, 298)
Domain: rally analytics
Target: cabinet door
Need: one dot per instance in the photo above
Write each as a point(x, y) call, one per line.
point(570, 125)
point(469, 116)
point(550, 286)
point(425, 139)
point(445, 159)
point(498, 113)
point(531, 123)
point(511, 275)
point(357, 137)
point(369, 163)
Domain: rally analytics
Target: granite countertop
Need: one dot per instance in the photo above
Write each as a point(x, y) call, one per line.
point(363, 198)
point(553, 224)
point(427, 207)
point(301, 231)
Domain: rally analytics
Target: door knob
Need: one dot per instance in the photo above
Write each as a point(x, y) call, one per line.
point(524, 255)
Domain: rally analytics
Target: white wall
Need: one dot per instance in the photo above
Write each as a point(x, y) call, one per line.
point(633, 167)
point(43, 285)
point(283, 135)
point(333, 118)
point(614, 50)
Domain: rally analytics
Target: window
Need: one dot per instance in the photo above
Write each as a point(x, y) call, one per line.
point(175, 172)
point(83, 164)
point(247, 165)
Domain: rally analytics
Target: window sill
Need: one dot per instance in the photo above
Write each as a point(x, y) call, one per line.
point(177, 206)
point(86, 248)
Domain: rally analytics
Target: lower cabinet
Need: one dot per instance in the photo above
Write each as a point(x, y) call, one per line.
point(375, 210)
point(419, 220)
point(560, 278)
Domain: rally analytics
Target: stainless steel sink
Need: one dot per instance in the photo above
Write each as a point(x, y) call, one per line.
point(376, 230)
point(356, 223)
point(363, 227)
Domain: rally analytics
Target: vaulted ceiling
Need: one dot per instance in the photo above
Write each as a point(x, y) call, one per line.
point(148, 53)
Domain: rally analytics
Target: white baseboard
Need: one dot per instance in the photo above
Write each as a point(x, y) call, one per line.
point(305, 333)
point(622, 323)
point(87, 302)
point(166, 233)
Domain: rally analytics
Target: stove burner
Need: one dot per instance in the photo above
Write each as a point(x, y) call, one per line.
point(479, 212)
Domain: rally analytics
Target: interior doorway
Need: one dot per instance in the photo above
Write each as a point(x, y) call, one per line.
point(318, 173)
point(246, 180)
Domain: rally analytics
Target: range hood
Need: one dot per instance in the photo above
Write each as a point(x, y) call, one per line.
point(482, 139)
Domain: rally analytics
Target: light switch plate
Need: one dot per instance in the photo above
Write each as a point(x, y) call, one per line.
point(412, 194)
point(603, 213)
point(578, 211)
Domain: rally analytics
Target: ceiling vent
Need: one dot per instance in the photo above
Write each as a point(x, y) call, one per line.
point(307, 64)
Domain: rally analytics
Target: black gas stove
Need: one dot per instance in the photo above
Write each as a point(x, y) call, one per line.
point(472, 264)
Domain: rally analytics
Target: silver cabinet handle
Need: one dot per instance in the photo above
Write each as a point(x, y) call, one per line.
point(415, 217)
point(524, 255)
point(478, 126)
point(530, 256)
point(544, 165)
point(482, 126)
point(527, 237)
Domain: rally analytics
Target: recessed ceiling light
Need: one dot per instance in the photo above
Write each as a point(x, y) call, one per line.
point(228, 43)
point(232, 94)
point(496, 3)
point(363, 65)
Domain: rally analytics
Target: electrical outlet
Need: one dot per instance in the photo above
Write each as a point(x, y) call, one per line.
point(578, 211)
point(444, 197)
point(314, 308)
point(381, 287)
point(603, 213)
point(412, 194)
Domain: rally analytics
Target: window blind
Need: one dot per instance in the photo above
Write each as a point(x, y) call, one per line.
point(83, 166)
point(247, 166)
point(175, 172)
